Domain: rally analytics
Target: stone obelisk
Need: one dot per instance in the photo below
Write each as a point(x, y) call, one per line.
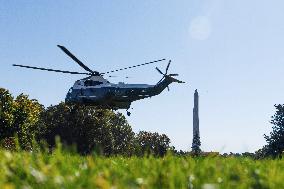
point(196, 135)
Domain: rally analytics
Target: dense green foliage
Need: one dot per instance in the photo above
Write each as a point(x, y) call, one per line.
point(152, 143)
point(100, 131)
point(61, 170)
point(88, 129)
point(19, 117)
point(275, 141)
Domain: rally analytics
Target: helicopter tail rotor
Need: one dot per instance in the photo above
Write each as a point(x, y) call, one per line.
point(169, 76)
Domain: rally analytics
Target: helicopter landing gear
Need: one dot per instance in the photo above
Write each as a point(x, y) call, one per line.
point(128, 113)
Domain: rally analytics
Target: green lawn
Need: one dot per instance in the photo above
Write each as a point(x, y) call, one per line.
point(62, 170)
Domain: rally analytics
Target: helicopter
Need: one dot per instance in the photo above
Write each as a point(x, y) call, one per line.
point(97, 91)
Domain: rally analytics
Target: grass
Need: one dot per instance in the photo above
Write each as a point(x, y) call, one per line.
point(64, 170)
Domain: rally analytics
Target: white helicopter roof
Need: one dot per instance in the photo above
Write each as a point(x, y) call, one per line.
point(99, 82)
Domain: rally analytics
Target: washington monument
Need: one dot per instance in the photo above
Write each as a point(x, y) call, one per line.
point(196, 135)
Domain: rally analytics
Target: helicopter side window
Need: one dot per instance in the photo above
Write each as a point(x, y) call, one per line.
point(88, 83)
point(92, 83)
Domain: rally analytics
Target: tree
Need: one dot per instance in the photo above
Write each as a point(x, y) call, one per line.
point(26, 116)
point(196, 145)
point(18, 117)
point(6, 113)
point(88, 128)
point(275, 142)
point(152, 143)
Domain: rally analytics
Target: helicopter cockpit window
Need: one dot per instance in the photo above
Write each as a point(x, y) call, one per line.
point(70, 90)
point(92, 83)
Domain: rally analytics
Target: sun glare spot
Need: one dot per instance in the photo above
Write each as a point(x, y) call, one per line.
point(200, 28)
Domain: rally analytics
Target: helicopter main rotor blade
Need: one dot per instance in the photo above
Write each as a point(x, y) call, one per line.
point(76, 59)
point(51, 70)
point(133, 66)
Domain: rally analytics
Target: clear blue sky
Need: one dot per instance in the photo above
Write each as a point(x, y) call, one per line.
point(231, 51)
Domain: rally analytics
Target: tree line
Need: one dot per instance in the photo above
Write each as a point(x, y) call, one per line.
point(88, 130)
